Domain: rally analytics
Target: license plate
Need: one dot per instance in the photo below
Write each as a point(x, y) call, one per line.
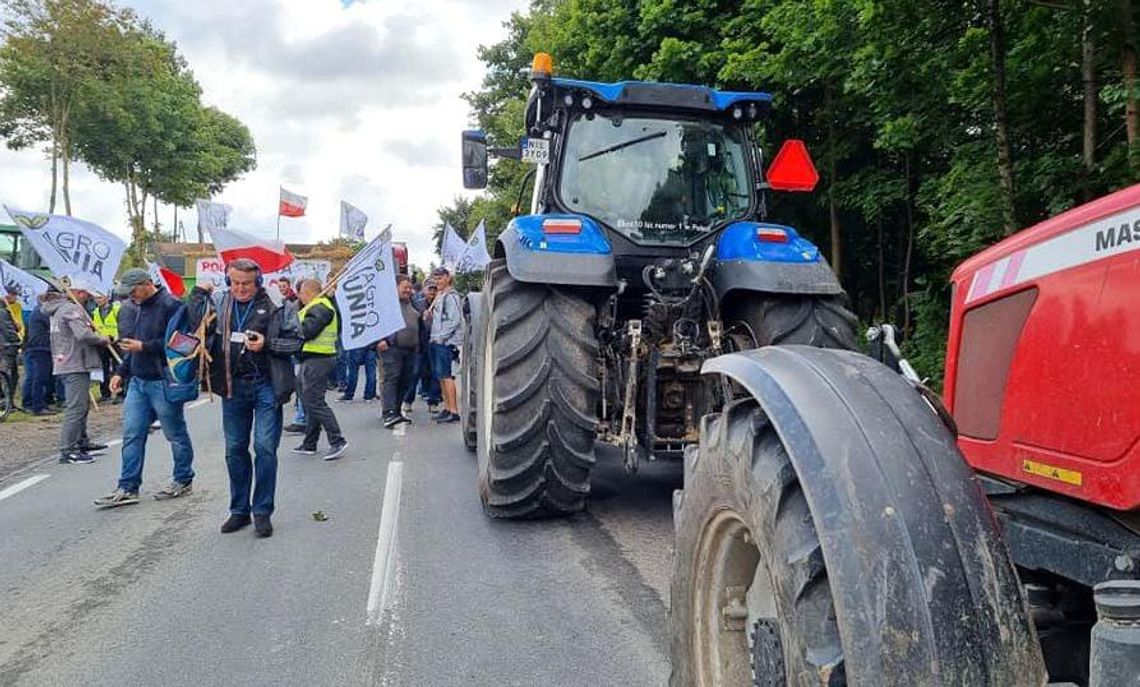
point(536, 151)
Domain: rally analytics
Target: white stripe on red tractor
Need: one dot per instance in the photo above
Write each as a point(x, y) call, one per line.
point(1104, 238)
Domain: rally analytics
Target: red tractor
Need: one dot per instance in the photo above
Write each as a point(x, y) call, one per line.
point(840, 524)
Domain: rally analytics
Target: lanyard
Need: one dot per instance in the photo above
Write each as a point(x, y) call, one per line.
point(241, 318)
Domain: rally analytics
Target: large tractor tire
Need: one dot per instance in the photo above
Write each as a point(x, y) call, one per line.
point(830, 534)
point(766, 319)
point(472, 333)
point(537, 400)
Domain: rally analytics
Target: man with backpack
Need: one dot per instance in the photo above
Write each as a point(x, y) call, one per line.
point(142, 340)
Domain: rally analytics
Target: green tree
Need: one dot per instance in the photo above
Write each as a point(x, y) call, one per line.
point(54, 53)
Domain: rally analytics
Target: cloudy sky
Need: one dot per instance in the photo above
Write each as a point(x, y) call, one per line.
point(346, 99)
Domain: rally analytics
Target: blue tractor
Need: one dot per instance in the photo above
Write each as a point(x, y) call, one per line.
point(647, 251)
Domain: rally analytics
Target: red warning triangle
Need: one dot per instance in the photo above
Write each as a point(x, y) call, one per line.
point(792, 168)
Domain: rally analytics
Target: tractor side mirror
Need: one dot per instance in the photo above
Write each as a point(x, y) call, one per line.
point(792, 168)
point(474, 159)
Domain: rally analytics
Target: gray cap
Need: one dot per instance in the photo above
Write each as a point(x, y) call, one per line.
point(440, 271)
point(130, 279)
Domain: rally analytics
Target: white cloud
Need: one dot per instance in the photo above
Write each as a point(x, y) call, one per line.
point(359, 102)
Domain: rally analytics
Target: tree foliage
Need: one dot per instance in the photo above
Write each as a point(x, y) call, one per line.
point(100, 85)
point(933, 123)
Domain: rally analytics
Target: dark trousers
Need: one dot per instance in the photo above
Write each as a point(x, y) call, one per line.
point(108, 371)
point(399, 374)
point(252, 409)
point(37, 380)
point(312, 385)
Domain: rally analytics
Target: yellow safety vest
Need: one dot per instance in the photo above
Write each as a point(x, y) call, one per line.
point(17, 312)
point(325, 342)
point(109, 325)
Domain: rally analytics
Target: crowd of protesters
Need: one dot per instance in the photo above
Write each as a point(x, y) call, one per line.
point(263, 353)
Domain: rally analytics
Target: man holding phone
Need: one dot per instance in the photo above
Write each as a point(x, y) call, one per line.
point(142, 340)
point(252, 342)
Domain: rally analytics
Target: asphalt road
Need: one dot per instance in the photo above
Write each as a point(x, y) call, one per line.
point(405, 583)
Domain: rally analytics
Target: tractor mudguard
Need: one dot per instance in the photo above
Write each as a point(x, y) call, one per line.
point(535, 261)
point(772, 258)
point(920, 576)
point(808, 278)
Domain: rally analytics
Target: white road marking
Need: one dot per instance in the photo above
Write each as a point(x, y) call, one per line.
point(385, 543)
point(20, 486)
point(400, 429)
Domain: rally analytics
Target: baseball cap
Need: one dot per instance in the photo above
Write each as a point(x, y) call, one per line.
point(130, 279)
point(440, 271)
point(429, 283)
point(12, 289)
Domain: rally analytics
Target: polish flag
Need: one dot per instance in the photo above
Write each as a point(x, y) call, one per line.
point(291, 204)
point(168, 278)
point(271, 255)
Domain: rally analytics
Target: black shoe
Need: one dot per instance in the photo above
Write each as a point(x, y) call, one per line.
point(391, 421)
point(77, 458)
point(42, 413)
point(294, 429)
point(336, 451)
point(93, 448)
point(262, 526)
point(234, 523)
point(446, 416)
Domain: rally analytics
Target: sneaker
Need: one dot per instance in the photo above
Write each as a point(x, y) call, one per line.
point(43, 413)
point(336, 451)
point(344, 399)
point(93, 448)
point(155, 426)
point(371, 400)
point(446, 417)
point(117, 498)
point(406, 408)
point(294, 429)
point(174, 490)
point(302, 450)
point(77, 458)
point(390, 422)
point(433, 408)
point(262, 526)
point(234, 523)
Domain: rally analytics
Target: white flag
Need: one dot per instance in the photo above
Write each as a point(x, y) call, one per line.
point(366, 295)
point(475, 255)
point(87, 254)
point(352, 221)
point(30, 286)
point(212, 215)
point(453, 247)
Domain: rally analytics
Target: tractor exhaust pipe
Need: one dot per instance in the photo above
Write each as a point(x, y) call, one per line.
point(1115, 652)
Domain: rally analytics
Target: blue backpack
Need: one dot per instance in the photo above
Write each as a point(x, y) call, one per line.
point(181, 380)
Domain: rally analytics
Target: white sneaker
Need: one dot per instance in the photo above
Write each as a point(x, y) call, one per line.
point(406, 408)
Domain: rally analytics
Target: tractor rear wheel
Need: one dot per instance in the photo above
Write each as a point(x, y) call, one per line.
point(537, 400)
point(774, 319)
point(751, 603)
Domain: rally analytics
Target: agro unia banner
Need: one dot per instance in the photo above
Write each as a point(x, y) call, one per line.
point(366, 295)
point(29, 285)
point(453, 248)
point(475, 256)
point(213, 270)
point(87, 254)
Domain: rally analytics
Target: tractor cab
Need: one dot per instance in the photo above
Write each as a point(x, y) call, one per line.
point(656, 164)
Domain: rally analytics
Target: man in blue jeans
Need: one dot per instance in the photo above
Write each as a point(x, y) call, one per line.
point(143, 343)
point(357, 357)
point(252, 343)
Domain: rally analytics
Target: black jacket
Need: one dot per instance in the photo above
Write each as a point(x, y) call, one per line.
point(39, 332)
point(9, 336)
point(149, 327)
point(278, 325)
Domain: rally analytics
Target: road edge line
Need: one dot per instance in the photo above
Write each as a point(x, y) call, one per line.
point(20, 486)
point(385, 543)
